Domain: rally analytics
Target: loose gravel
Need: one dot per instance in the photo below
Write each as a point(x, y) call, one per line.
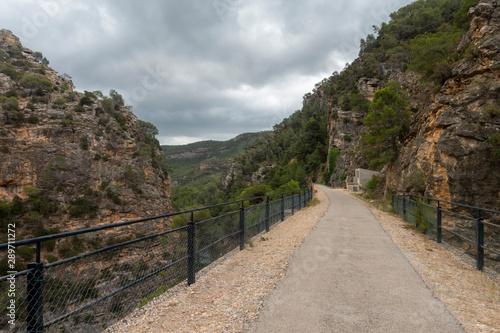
point(228, 294)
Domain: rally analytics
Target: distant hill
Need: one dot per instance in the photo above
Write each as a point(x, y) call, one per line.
point(197, 160)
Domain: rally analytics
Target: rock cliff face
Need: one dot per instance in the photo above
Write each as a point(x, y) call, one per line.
point(87, 155)
point(447, 150)
point(448, 141)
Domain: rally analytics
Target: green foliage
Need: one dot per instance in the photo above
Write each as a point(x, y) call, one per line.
point(332, 161)
point(387, 123)
point(461, 19)
point(67, 122)
point(133, 179)
point(433, 54)
point(81, 207)
point(9, 103)
point(10, 71)
point(36, 83)
point(373, 183)
point(60, 103)
point(292, 185)
point(415, 181)
point(255, 191)
point(84, 143)
point(494, 140)
point(179, 221)
point(38, 56)
point(26, 252)
point(107, 105)
point(116, 98)
point(71, 248)
point(147, 128)
point(11, 107)
point(86, 100)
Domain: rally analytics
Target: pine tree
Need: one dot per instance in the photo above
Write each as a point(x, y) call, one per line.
point(387, 122)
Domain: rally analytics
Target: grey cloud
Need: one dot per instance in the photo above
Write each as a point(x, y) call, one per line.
point(199, 68)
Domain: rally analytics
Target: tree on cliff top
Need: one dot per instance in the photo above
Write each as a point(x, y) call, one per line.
point(386, 122)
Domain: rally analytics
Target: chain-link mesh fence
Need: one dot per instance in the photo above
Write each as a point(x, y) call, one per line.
point(85, 281)
point(473, 229)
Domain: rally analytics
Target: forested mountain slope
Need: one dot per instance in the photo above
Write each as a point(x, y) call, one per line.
point(420, 103)
point(195, 160)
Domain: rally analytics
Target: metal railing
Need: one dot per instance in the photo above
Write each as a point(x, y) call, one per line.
point(474, 229)
point(113, 269)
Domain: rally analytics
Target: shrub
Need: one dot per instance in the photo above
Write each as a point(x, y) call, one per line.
point(60, 103)
point(9, 103)
point(36, 83)
point(415, 181)
point(51, 258)
point(11, 93)
point(86, 100)
point(10, 71)
point(84, 143)
point(494, 140)
point(26, 252)
point(32, 119)
point(71, 96)
point(81, 207)
point(373, 184)
point(67, 122)
point(79, 108)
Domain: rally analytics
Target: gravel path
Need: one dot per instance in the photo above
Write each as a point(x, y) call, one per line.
point(229, 296)
point(349, 276)
point(473, 297)
point(230, 293)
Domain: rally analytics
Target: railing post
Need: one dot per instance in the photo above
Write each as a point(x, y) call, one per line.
point(404, 207)
point(439, 223)
point(191, 251)
point(267, 215)
point(480, 243)
point(300, 200)
point(293, 203)
point(34, 298)
point(242, 226)
point(282, 208)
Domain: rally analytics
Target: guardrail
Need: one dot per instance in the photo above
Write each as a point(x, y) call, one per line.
point(454, 224)
point(111, 277)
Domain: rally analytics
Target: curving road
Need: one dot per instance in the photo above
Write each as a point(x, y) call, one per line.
point(348, 276)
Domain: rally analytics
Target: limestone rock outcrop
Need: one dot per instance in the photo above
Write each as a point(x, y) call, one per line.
point(68, 145)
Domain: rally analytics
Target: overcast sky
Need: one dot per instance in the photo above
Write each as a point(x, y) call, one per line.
point(205, 69)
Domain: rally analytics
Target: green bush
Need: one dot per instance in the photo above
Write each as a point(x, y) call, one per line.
point(82, 207)
point(86, 100)
point(9, 103)
point(387, 123)
point(51, 258)
point(60, 103)
point(461, 19)
point(10, 71)
point(494, 140)
point(36, 83)
point(26, 252)
point(373, 183)
point(433, 54)
point(415, 181)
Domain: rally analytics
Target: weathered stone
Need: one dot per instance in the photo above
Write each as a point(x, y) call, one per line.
point(66, 153)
